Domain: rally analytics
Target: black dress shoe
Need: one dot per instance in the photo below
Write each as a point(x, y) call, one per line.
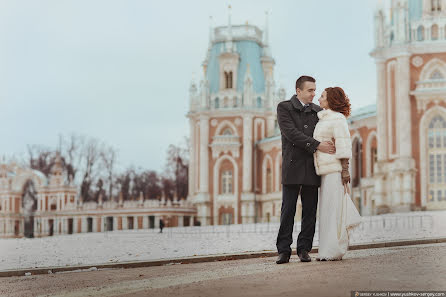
point(304, 257)
point(283, 258)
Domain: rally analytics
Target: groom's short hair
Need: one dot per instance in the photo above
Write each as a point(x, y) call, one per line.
point(301, 80)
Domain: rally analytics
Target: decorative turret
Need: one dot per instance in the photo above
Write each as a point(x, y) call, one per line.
point(56, 178)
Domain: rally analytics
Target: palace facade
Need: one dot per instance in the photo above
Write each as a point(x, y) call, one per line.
point(32, 205)
point(399, 143)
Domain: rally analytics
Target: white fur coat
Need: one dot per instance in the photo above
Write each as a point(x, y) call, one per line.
point(332, 124)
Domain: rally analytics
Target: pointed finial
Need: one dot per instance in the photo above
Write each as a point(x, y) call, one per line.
point(210, 29)
point(266, 27)
point(229, 23)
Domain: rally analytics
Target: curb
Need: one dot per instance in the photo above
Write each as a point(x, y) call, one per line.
point(203, 259)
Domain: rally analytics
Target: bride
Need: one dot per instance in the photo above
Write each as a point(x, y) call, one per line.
point(337, 213)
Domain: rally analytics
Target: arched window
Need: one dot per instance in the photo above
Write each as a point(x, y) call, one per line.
point(217, 102)
point(436, 5)
point(228, 80)
point(434, 32)
point(227, 131)
point(226, 182)
point(269, 180)
point(259, 102)
point(374, 155)
point(225, 102)
point(420, 33)
point(356, 163)
point(436, 75)
point(437, 159)
point(236, 103)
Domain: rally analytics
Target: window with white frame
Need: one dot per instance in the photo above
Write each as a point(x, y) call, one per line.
point(437, 159)
point(269, 180)
point(226, 182)
point(227, 131)
point(436, 5)
point(436, 75)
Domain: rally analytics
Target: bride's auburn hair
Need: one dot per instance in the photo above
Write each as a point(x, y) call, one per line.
point(338, 101)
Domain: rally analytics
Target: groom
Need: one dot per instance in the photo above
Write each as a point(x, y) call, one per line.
point(297, 119)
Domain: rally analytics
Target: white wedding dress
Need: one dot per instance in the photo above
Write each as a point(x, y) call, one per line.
point(337, 215)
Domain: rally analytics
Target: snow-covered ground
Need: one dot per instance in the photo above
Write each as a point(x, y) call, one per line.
point(137, 245)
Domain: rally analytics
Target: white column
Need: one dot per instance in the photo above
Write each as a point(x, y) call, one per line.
point(270, 126)
point(204, 154)
point(381, 109)
point(75, 225)
point(191, 221)
point(115, 223)
point(95, 224)
point(145, 222)
point(157, 222)
point(192, 157)
point(180, 221)
point(403, 104)
point(135, 222)
point(84, 225)
point(247, 153)
point(124, 223)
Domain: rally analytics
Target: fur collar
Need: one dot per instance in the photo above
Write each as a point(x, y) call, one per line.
point(328, 114)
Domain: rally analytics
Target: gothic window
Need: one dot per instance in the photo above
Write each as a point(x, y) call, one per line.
point(259, 102)
point(217, 102)
point(236, 103)
point(356, 163)
point(228, 80)
point(434, 32)
point(227, 131)
point(437, 159)
point(420, 33)
point(269, 180)
point(436, 75)
point(436, 5)
point(226, 218)
point(226, 182)
point(374, 155)
point(226, 102)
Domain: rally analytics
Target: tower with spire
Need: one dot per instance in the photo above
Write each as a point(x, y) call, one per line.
point(410, 57)
point(232, 109)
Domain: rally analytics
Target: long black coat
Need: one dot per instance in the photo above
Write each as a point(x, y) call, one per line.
point(298, 145)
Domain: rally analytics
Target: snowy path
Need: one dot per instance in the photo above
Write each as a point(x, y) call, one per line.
point(138, 245)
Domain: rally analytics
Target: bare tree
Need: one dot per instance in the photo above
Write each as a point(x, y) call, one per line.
point(177, 168)
point(40, 158)
point(108, 157)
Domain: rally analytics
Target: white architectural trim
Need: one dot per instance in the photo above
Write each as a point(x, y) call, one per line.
point(424, 123)
point(267, 159)
point(368, 149)
point(277, 163)
point(391, 138)
point(217, 184)
point(224, 124)
point(262, 128)
point(432, 65)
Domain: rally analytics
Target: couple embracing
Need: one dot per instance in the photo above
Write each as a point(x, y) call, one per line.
point(316, 148)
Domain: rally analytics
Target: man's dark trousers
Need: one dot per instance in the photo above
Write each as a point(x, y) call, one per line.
point(309, 198)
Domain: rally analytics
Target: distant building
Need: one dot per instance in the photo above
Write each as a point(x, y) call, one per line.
point(399, 145)
point(33, 205)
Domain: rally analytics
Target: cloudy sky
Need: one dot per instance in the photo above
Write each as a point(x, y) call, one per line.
point(119, 71)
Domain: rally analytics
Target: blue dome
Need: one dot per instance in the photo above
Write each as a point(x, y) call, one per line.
point(250, 53)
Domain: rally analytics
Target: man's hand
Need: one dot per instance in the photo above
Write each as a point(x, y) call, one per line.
point(327, 147)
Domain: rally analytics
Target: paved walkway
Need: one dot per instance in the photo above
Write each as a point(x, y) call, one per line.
point(420, 267)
